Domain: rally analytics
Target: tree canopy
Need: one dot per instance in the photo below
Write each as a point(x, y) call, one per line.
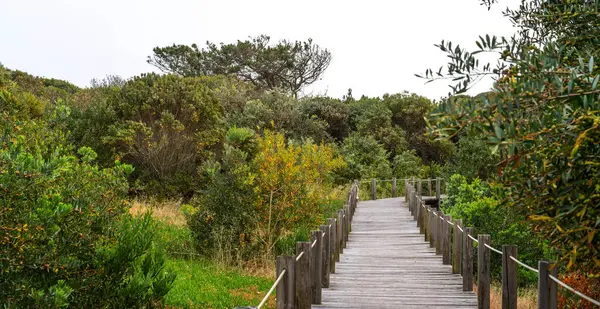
point(286, 65)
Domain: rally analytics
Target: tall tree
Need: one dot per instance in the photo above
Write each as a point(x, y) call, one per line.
point(542, 117)
point(286, 65)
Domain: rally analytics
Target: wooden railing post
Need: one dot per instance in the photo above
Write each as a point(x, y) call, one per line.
point(339, 235)
point(374, 189)
point(332, 247)
point(406, 190)
point(419, 187)
point(509, 277)
point(543, 295)
point(439, 232)
point(418, 211)
point(348, 225)
point(447, 232)
point(437, 191)
point(303, 283)
point(411, 196)
point(421, 217)
point(394, 187)
point(325, 256)
point(483, 272)
point(467, 264)
point(286, 290)
point(456, 247)
point(426, 222)
point(344, 227)
point(316, 266)
point(547, 298)
point(432, 229)
point(429, 186)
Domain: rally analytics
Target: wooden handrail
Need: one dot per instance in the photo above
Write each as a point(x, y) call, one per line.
point(437, 231)
point(300, 278)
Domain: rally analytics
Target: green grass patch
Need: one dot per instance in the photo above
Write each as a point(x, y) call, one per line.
point(176, 240)
point(202, 284)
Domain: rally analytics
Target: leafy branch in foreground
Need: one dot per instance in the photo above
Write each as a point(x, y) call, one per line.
point(542, 117)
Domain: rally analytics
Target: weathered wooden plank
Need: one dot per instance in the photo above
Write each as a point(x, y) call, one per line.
point(332, 247)
point(543, 285)
point(446, 231)
point(286, 290)
point(483, 272)
point(457, 247)
point(509, 277)
point(325, 256)
point(388, 264)
point(467, 262)
point(316, 238)
point(303, 283)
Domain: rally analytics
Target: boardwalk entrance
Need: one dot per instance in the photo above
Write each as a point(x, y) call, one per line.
point(387, 264)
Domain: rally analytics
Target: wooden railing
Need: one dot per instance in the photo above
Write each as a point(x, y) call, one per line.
point(300, 278)
point(456, 245)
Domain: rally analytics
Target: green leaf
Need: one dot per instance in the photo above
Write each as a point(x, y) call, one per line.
point(571, 84)
point(591, 64)
point(595, 82)
point(498, 131)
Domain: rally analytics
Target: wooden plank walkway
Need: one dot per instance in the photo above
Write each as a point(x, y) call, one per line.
point(387, 264)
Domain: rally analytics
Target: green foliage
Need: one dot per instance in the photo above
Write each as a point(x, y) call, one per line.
point(166, 125)
point(274, 110)
point(407, 164)
point(286, 65)
point(542, 118)
point(365, 158)
point(224, 220)
point(479, 207)
point(332, 111)
point(473, 158)
point(66, 238)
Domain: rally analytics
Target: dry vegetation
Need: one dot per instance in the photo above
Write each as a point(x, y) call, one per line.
point(527, 298)
point(168, 211)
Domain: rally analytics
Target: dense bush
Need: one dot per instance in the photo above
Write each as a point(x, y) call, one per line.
point(365, 158)
point(166, 125)
point(259, 192)
point(66, 238)
point(479, 206)
point(473, 158)
point(224, 218)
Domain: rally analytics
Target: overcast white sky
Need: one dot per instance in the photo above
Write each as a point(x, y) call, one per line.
point(377, 45)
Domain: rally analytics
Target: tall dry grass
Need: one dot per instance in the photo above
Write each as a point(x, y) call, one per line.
point(165, 211)
point(527, 298)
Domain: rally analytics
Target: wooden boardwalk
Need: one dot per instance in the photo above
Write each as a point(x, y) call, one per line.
point(387, 264)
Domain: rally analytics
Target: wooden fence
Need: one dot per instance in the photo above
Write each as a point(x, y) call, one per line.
point(300, 278)
point(455, 243)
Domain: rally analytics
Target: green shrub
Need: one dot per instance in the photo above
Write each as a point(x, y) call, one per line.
point(365, 158)
point(479, 206)
point(66, 237)
point(223, 221)
point(408, 164)
point(166, 126)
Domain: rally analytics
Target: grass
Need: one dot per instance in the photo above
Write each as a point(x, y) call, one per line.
point(168, 211)
point(202, 284)
point(526, 299)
